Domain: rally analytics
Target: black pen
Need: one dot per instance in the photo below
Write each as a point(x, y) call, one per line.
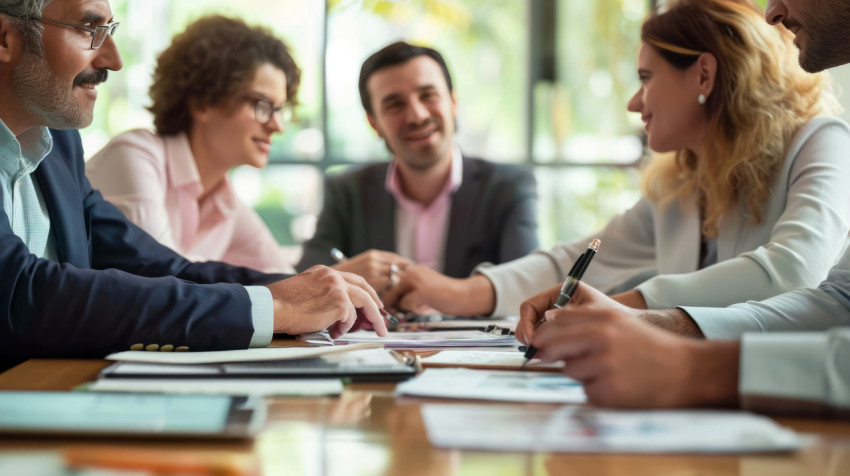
point(568, 289)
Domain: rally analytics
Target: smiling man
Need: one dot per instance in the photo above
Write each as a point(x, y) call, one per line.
point(431, 204)
point(78, 279)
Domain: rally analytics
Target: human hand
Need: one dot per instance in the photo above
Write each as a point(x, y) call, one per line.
point(374, 266)
point(533, 310)
point(321, 298)
point(421, 288)
point(626, 362)
point(633, 299)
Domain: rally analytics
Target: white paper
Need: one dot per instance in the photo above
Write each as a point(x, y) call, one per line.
point(414, 340)
point(494, 385)
point(288, 387)
point(576, 429)
point(448, 324)
point(222, 356)
point(485, 358)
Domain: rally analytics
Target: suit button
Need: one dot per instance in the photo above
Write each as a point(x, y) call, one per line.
point(182, 348)
point(152, 347)
point(167, 348)
point(137, 347)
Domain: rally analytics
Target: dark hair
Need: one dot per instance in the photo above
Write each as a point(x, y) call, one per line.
point(209, 62)
point(392, 55)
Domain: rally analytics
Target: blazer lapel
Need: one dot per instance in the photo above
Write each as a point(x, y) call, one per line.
point(65, 208)
point(731, 228)
point(461, 236)
point(678, 239)
point(378, 211)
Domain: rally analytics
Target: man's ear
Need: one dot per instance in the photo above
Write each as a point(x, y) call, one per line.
point(374, 125)
point(10, 40)
point(454, 105)
point(707, 72)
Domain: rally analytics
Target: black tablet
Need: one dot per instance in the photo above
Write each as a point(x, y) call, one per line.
point(130, 415)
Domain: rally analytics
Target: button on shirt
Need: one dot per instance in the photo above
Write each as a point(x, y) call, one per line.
point(22, 200)
point(421, 230)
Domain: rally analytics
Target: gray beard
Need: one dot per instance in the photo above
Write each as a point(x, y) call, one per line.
point(41, 94)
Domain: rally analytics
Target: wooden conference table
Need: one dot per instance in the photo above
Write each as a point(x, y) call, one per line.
point(367, 432)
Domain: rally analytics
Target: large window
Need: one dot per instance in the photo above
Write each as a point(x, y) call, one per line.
point(542, 82)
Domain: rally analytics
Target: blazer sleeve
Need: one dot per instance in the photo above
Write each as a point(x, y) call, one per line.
point(519, 233)
point(805, 242)
point(135, 291)
point(331, 228)
point(812, 309)
point(627, 250)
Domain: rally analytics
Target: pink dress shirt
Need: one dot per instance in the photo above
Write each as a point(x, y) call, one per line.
point(421, 231)
point(154, 180)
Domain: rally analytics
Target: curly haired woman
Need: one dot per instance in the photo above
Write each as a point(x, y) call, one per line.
point(219, 93)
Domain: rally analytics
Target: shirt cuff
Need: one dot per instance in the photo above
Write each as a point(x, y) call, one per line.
point(518, 280)
point(784, 365)
point(262, 315)
point(722, 323)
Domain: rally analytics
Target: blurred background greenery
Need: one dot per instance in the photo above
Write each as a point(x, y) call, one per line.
point(541, 82)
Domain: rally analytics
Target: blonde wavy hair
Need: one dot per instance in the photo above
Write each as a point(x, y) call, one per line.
point(761, 96)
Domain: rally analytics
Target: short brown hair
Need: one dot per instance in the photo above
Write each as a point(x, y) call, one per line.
point(211, 61)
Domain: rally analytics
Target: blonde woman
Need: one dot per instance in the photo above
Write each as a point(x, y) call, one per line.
point(751, 201)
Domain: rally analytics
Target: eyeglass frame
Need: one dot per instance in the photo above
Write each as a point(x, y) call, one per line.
point(286, 111)
point(109, 27)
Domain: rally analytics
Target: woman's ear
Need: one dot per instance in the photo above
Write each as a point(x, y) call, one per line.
point(707, 72)
point(197, 111)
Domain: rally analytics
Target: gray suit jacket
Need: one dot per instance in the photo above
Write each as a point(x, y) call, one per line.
point(493, 217)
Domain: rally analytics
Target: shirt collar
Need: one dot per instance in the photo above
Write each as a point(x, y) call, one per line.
point(393, 183)
point(183, 174)
point(24, 152)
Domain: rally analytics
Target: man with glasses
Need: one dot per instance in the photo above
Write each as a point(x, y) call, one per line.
point(78, 279)
point(758, 357)
point(221, 91)
point(431, 204)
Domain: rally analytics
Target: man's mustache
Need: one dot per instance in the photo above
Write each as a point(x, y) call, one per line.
point(91, 77)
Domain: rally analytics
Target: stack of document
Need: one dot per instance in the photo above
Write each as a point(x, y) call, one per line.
point(576, 429)
point(488, 359)
point(289, 371)
point(417, 340)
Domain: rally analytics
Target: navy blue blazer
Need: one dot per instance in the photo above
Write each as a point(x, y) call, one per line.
point(493, 217)
point(113, 285)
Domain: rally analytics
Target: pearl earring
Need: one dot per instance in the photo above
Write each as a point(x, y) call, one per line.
point(701, 99)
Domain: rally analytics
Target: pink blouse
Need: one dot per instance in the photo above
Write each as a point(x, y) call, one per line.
point(154, 180)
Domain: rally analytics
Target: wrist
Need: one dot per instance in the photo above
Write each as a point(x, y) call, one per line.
point(713, 379)
point(479, 295)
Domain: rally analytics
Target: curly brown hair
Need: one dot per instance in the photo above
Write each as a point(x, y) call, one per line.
point(209, 62)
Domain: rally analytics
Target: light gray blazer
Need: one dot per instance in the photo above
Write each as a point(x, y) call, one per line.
point(802, 234)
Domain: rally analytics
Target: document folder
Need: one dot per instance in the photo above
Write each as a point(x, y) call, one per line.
point(368, 365)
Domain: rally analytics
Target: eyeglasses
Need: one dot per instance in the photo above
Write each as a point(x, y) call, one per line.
point(264, 110)
point(98, 33)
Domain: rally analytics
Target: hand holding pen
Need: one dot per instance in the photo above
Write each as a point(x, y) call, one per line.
point(566, 293)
